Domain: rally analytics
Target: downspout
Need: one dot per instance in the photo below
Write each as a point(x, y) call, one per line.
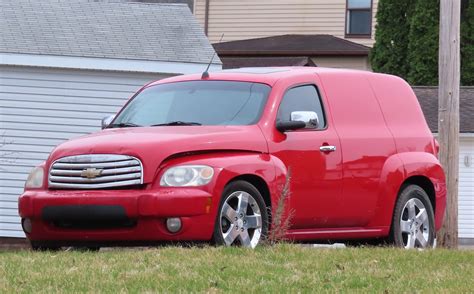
point(206, 18)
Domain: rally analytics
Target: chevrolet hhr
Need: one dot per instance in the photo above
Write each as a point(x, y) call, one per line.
point(205, 158)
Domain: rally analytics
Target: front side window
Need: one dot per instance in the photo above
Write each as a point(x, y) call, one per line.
point(196, 103)
point(359, 18)
point(301, 98)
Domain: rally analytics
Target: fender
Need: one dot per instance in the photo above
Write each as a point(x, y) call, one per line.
point(427, 165)
point(227, 166)
point(391, 179)
point(396, 170)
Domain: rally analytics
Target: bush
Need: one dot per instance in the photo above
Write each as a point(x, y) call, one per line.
point(467, 46)
point(407, 41)
point(423, 43)
point(389, 54)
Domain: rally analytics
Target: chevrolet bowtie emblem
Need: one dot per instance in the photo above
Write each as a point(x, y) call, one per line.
point(91, 173)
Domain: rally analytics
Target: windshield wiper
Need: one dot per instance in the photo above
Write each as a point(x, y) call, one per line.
point(178, 123)
point(122, 125)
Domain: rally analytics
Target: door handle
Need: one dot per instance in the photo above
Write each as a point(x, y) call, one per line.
point(327, 148)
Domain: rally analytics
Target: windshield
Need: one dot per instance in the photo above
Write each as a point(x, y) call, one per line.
point(196, 103)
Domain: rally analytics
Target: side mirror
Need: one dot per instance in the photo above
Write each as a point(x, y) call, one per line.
point(310, 118)
point(107, 120)
point(299, 120)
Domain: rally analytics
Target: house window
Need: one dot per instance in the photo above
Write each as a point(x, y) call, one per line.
point(359, 18)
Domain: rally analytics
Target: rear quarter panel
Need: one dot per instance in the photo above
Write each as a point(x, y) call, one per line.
point(397, 169)
point(414, 141)
point(427, 165)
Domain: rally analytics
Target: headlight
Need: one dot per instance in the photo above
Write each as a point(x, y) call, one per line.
point(187, 175)
point(35, 178)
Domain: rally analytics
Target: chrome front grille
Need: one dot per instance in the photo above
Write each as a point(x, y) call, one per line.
point(95, 171)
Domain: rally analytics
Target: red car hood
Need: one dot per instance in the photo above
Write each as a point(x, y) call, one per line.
point(154, 144)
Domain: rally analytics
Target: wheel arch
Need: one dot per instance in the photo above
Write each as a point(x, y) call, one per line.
point(259, 183)
point(424, 183)
point(424, 169)
point(421, 181)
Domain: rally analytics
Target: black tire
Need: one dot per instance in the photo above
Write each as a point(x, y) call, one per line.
point(400, 236)
point(230, 189)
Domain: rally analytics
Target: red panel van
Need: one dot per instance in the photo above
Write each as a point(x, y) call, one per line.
point(195, 158)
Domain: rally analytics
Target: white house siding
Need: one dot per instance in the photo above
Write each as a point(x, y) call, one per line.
point(40, 108)
point(466, 188)
point(248, 19)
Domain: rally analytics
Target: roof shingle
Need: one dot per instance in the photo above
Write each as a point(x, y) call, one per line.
point(428, 98)
point(81, 28)
point(292, 45)
point(238, 62)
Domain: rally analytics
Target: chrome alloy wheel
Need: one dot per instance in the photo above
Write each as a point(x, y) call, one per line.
point(241, 220)
point(415, 224)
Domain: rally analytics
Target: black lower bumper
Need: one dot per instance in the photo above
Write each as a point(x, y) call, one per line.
point(87, 216)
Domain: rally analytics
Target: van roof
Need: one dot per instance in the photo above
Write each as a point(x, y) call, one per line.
point(267, 75)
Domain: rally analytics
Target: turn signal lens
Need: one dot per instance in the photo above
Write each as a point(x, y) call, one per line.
point(35, 178)
point(26, 225)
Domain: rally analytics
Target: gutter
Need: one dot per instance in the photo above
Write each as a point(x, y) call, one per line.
point(274, 53)
point(105, 64)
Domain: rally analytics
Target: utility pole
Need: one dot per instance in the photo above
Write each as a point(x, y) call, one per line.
point(448, 117)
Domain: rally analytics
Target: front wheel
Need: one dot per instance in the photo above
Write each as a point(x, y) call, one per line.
point(413, 219)
point(242, 218)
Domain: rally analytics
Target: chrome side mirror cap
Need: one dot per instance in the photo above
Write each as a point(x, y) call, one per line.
point(107, 120)
point(310, 118)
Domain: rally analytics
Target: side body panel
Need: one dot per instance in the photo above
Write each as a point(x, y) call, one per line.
point(366, 143)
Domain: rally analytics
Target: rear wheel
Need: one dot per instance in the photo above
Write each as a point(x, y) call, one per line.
point(242, 218)
point(413, 219)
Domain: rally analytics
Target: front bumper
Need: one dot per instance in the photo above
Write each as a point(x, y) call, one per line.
point(144, 213)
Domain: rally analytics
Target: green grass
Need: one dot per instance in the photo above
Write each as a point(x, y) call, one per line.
point(283, 268)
